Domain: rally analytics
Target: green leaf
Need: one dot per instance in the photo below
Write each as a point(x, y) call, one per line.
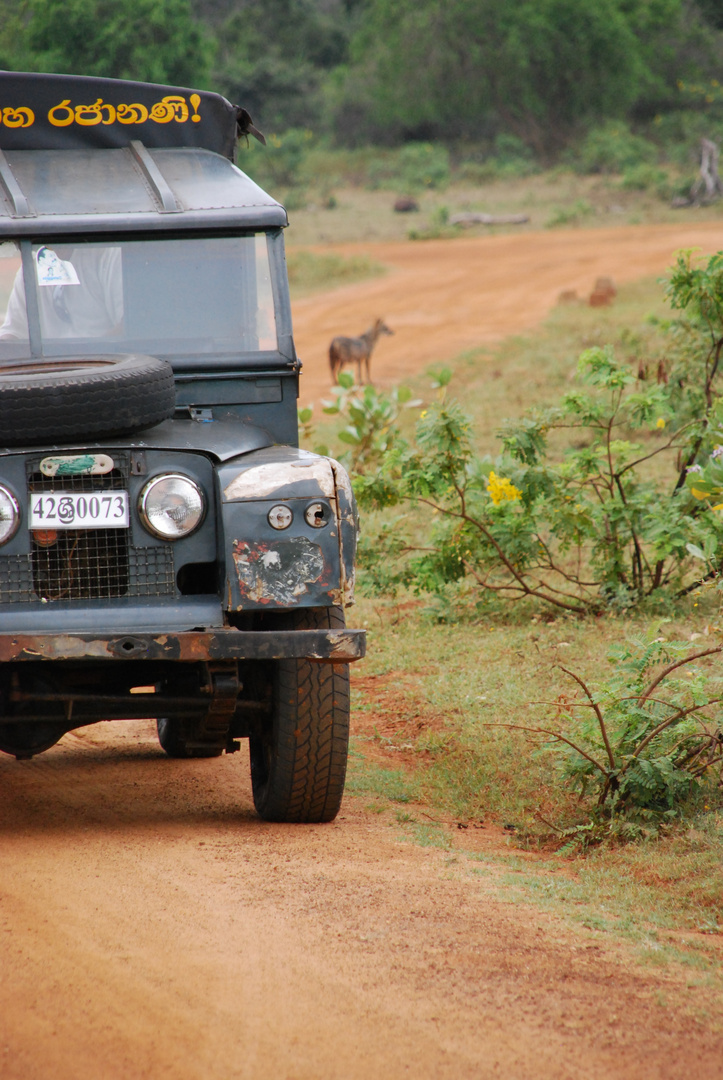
point(442, 377)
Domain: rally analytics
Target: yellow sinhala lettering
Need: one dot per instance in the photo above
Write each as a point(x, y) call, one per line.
point(89, 115)
point(18, 118)
point(164, 111)
point(58, 121)
point(132, 114)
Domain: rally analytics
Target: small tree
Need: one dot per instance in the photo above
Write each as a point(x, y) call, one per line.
point(591, 527)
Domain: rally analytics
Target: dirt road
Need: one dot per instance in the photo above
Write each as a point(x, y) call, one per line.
point(444, 296)
point(152, 927)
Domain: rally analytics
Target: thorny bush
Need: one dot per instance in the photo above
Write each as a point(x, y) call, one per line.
point(643, 742)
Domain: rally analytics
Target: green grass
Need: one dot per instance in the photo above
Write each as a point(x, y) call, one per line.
point(482, 667)
point(558, 198)
point(310, 272)
point(471, 668)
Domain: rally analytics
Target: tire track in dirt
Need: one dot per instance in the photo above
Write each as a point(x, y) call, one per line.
point(442, 297)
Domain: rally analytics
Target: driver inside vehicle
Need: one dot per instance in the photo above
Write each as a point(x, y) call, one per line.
point(78, 297)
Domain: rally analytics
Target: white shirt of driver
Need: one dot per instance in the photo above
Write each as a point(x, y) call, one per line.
point(92, 308)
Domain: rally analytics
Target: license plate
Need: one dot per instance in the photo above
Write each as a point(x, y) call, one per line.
point(85, 510)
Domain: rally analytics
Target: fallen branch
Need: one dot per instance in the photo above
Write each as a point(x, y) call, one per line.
point(478, 218)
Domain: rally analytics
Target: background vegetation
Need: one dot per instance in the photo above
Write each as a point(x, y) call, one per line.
point(516, 83)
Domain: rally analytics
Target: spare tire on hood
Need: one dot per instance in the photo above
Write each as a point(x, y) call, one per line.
point(59, 399)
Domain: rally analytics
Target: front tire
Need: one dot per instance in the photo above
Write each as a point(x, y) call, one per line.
point(299, 755)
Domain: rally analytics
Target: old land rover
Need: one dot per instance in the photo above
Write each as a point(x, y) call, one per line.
point(166, 549)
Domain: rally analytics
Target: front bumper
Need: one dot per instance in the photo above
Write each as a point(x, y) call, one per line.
point(324, 646)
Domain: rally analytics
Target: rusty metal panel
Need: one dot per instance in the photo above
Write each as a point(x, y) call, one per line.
point(269, 568)
point(330, 646)
point(279, 572)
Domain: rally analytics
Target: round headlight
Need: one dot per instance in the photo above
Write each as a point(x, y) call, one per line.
point(9, 515)
point(171, 506)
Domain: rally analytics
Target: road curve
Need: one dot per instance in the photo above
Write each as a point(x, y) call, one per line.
point(442, 297)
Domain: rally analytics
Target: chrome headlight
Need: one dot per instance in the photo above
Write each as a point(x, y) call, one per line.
point(171, 506)
point(9, 515)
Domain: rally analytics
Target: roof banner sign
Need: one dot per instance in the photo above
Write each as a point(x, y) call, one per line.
point(69, 112)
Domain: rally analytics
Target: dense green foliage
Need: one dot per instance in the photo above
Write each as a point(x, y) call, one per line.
point(149, 40)
point(395, 70)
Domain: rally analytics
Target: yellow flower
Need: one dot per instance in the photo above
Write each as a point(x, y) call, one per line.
point(501, 489)
point(660, 423)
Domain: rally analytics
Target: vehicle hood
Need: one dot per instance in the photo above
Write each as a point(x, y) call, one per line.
point(217, 438)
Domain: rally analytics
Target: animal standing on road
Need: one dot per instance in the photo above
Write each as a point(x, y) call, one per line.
point(356, 350)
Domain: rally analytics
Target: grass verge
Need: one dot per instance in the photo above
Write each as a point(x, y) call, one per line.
point(439, 678)
point(310, 272)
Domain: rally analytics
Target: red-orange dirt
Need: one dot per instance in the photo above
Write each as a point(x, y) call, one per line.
point(444, 296)
point(152, 927)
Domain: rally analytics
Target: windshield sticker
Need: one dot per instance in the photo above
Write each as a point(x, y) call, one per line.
point(52, 270)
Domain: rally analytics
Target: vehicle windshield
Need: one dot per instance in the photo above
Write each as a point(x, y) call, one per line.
point(171, 297)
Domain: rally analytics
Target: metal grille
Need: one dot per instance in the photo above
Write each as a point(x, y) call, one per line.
point(150, 572)
point(85, 564)
point(82, 565)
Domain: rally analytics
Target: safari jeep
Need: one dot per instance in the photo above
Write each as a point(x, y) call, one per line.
point(166, 549)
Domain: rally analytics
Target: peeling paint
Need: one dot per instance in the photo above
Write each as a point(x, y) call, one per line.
point(341, 478)
point(278, 572)
point(348, 528)
point(264, 480)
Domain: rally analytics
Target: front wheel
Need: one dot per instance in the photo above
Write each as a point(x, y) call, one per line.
point(298, 757)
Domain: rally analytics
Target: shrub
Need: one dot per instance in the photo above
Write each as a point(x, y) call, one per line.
point(595, 527)
point(570, 215)
point(645, 178)
point(423, 165)
point(282, 162)
point(612, 148)
point(646, 739)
